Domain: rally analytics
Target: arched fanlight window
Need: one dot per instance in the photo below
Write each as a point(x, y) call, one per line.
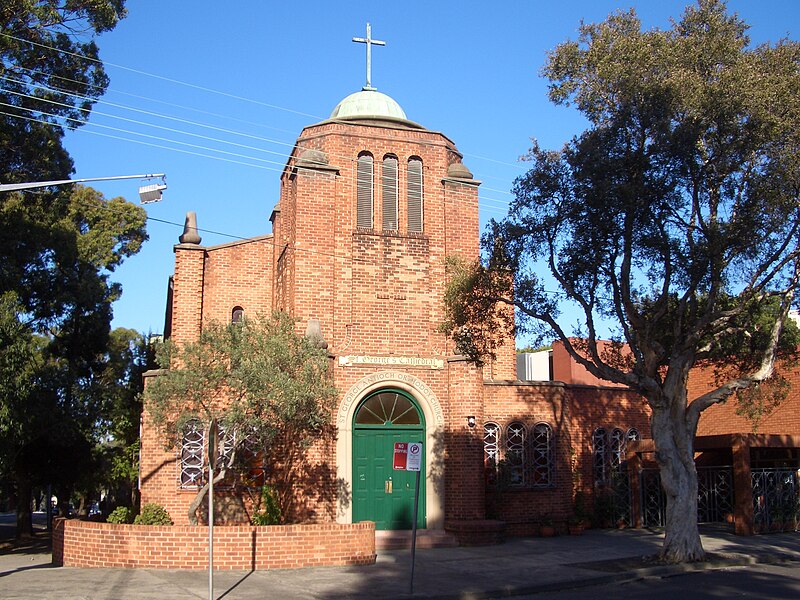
point(389, 193)
point(237, 314)
point(414, 194)
point(364, 191)
point(542, 455)
point(387, 408)
point(192, 453)
point(515, 453)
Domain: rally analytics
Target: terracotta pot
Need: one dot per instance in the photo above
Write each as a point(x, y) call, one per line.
point(547, 531)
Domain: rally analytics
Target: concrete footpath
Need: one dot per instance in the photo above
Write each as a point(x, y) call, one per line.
point(519, 566)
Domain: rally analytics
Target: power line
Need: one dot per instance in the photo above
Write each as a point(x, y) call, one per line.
point(218, 92)
point(195, 146)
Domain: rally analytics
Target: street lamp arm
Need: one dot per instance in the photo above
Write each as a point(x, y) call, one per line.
point(10, 187)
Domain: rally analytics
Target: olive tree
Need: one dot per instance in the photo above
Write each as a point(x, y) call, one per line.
point(264, 385)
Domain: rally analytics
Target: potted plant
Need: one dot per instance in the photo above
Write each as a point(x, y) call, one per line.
point(547, 529)
point(575, 525)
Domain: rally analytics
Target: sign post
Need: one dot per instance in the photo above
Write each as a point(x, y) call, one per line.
point(213, 444)
point(408, 457)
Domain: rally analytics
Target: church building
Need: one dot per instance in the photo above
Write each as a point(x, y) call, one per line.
point(371, 204)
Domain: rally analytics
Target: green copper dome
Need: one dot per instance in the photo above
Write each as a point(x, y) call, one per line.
point(368, 104)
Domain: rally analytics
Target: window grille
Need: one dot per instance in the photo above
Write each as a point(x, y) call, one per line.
point(414, 195)
point(515, 453)
point(364, 185)
point(617, 444)
point(599, 452)
point(633, 435)
point(192, 453)
point(491, 433)
point(542, 459)
point(389, 187)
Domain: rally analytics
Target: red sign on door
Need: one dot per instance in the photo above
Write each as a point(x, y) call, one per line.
point(400, 456)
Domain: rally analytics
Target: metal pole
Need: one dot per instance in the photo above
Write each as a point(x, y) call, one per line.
point(414, 535)
point(10, 187)
point(211, 533)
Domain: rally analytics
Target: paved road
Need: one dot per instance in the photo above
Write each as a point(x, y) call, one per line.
point(758, 582)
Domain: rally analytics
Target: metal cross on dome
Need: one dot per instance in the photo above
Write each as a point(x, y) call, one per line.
point(369, 41)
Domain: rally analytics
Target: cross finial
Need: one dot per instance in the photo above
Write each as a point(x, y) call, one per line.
point(369, 41)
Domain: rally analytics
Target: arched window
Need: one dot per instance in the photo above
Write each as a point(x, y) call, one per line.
point(237, 314)
point(599, 452)
point(542, 456)
point(414, 194)
point(387, 408)
point(491, 434)
point(389, 193)
point(633, 435)
point(515, 453)
point(364, 185)
point(192, 453)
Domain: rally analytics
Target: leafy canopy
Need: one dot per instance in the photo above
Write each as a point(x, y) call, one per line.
point(674, 215)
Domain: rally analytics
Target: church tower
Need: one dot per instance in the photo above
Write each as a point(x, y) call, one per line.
point(371, 204)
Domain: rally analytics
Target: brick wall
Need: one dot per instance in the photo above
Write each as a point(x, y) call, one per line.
point(104, 545)
point(573, 412)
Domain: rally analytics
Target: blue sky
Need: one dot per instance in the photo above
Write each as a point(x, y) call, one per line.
point(214, 94)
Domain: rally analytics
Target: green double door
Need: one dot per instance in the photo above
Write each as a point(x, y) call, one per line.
point(380, 493)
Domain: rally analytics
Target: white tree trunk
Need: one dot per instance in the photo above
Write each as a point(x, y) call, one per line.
point(674, 442)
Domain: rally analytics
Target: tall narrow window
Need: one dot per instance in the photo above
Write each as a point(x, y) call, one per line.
point(599, 451)
point(389, 195)
point(414, 194)
point(491, 433)
point(364, 184)
point(192, 454)
point(542, 459)
point(237, 314)
point(515, 453)
point(617, 445)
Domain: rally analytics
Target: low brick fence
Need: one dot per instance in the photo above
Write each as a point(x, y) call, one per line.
point(87, 544)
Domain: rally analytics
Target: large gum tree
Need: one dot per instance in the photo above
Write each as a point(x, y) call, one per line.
point(673, 217)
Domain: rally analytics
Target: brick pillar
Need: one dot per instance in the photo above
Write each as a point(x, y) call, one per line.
point(187, 292)
point(742, 486)
point(465, 492)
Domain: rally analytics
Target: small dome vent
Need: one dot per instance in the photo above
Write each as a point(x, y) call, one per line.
point(458, 171)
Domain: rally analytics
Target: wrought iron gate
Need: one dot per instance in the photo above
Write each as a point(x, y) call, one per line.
point(714, 496)
point(776, 503)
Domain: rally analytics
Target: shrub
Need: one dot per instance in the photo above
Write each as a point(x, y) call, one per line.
point(270, 512)
point(153, 514)
point(121, 515)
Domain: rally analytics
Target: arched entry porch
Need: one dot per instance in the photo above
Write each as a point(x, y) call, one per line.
point(430, 428)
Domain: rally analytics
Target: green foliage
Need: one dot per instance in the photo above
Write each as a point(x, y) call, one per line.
point(121, 515)
point(269, 512)
point(48, 85)
point(153, 514)
point(262, 381)
point(673, 220)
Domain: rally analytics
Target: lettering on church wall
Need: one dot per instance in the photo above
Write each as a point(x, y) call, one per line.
point(422, 391)
point(402, 361)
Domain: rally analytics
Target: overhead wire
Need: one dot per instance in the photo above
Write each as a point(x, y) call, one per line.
point(482, 196)
point(218, 92)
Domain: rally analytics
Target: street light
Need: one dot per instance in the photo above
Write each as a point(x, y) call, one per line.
point(147, 193)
